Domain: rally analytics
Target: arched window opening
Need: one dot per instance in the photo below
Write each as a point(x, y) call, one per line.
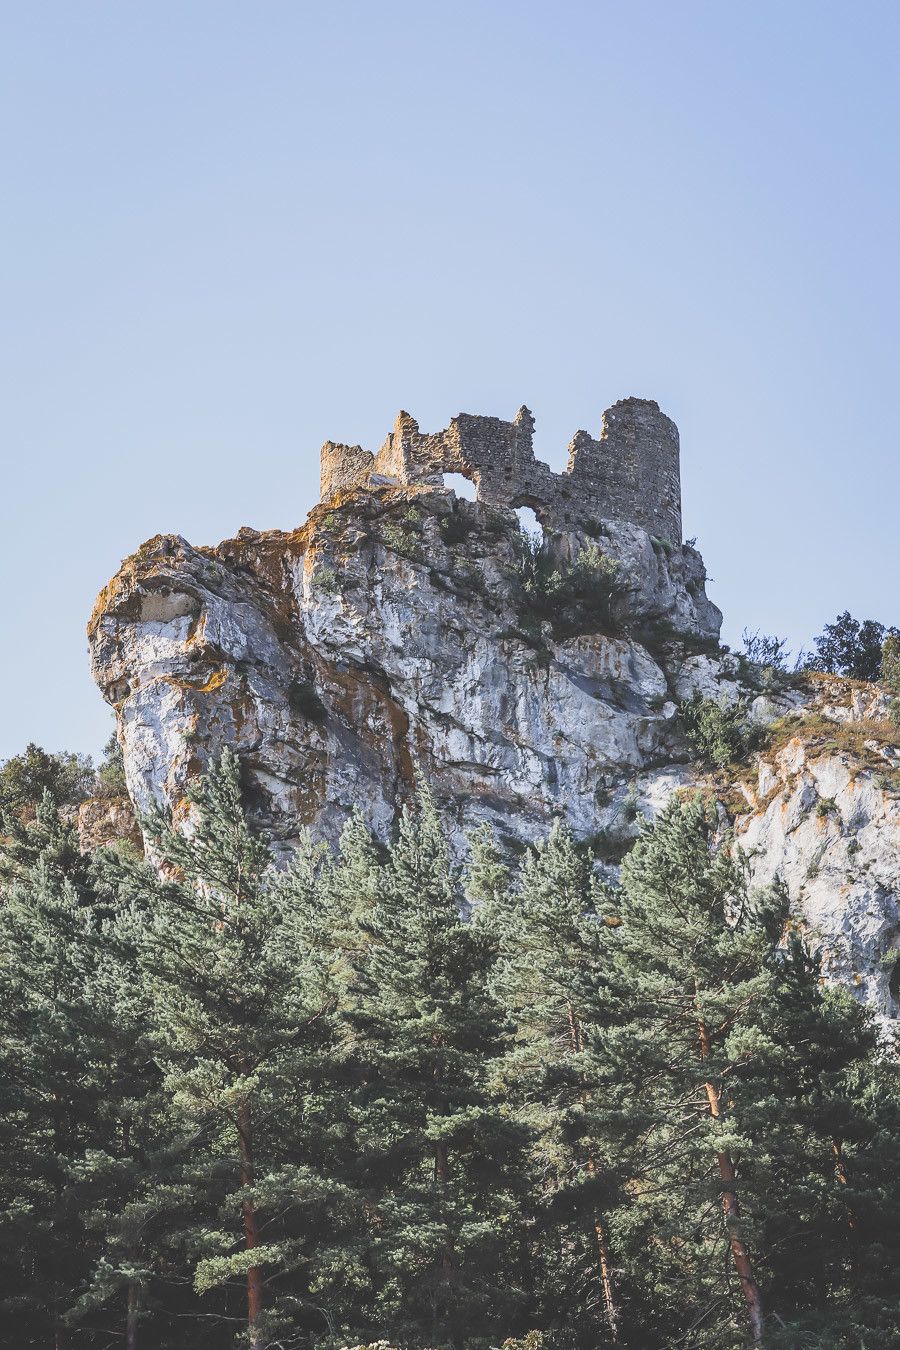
point(529, 524)
point(461, 485)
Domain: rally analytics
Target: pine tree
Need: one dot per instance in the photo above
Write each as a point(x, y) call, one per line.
point(133, 1190)
point(239, 1013)
point(691, 972)
point(731, 1068)
point(440, 1163)
point(553, 940)
point(821, 1102)
point(324, 1103)
point(61, 1084)
point(44, 836)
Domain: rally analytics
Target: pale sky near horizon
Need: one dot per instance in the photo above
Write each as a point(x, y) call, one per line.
point(233, 230)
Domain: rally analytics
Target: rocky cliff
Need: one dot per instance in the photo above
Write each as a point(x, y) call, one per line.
point(403, 633)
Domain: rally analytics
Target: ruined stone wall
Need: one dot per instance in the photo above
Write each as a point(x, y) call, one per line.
point(631, 473)
point(634, 470)
point(342, 467)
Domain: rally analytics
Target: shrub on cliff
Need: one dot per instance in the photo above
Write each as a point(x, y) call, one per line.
point(764, 649)
point(763, 662)
point(718, 732)
point(890, 672)
point(574, 596)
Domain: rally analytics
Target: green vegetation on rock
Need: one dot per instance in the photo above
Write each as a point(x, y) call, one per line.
point(718, 731)
point(573, 596)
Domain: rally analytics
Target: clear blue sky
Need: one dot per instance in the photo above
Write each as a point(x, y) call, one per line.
point(231, 231)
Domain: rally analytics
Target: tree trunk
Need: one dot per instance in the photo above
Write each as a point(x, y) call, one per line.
point(739, 1251)
point(607, 1288)
point(133, 1294)
point(840, 1171)
point(251, 1226)
point(60, 1333)
point(606, 1277)
point(732, 1210)
point(441, 1171)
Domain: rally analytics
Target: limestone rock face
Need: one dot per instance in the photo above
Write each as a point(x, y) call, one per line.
point(824, 819)
point(401, 634)
point(389, 638)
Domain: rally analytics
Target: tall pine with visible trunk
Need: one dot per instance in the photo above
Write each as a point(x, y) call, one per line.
point(239, 1011)
point(727, 1075)
point(691, 962)
point(552, 939)
point(440, 1162)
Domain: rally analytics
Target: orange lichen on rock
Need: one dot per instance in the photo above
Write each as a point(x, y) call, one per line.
point(215, 681)
point(207, 686)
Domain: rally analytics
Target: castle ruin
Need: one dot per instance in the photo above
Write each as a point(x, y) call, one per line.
point(631, 473)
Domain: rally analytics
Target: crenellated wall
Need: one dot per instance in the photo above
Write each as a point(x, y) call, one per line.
point(631, 473)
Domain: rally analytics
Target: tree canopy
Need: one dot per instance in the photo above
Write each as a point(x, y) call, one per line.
point(379, 1095)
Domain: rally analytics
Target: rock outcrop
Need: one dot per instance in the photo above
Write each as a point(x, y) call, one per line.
point(823, 817)
point(108, 821)
point(392, 637)
point(403, 633)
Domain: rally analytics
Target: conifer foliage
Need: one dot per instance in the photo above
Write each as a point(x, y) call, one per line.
point(552, 952)
point(377, 1096)
point(730, 1063)
point(237, 1007)
point(439, 1160)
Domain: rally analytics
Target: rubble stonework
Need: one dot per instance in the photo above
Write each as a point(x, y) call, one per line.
point(631, 473)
